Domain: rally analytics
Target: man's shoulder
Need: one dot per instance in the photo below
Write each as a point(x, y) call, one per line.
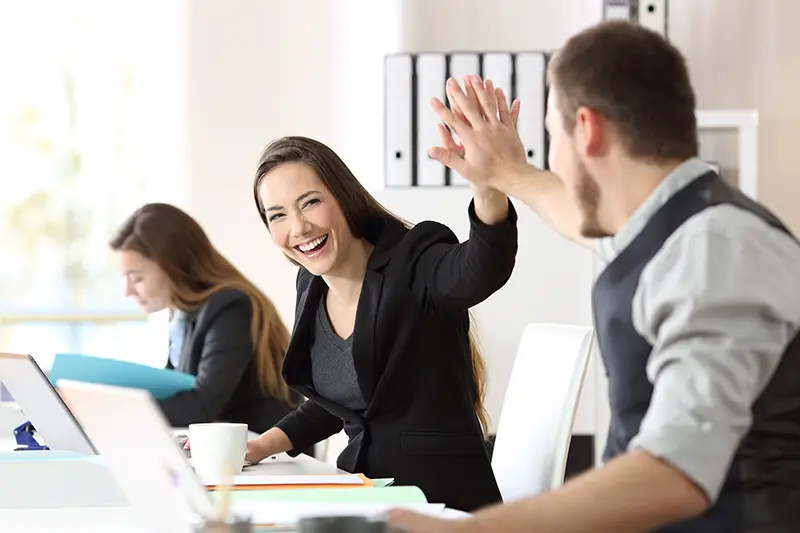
point(738, 225)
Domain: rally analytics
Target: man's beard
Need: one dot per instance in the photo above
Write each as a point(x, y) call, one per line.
point(588, 197)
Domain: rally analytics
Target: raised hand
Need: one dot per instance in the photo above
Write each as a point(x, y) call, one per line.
point(490, 146)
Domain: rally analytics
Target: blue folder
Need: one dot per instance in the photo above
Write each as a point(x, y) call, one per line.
point(160, 382)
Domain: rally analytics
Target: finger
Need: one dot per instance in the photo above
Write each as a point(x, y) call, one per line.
point(449, 158)
point(515, 105)
point(491, 100)
point(447, 141)
point(454, 122)
point(487, 111)
point(456, 110)
point(466, 103)
point(502, 108)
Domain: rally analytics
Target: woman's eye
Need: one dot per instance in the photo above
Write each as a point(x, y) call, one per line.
point(275, 217)
point(311, 202)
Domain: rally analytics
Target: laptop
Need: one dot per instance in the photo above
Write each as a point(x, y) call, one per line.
point(136, 441)
point(42, 405)
point(138, 446)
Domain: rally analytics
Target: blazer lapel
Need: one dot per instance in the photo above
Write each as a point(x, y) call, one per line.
point(297, 361)
point(364, 333)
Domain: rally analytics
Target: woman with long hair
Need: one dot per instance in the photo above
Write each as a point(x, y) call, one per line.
point(223, 330)
point(382, 344)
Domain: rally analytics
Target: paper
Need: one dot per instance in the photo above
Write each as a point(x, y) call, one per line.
point(161, 383)
point(288, 513)
point(275, 480)
point(388, 496)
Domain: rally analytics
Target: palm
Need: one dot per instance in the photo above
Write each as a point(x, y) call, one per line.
point(490, 143)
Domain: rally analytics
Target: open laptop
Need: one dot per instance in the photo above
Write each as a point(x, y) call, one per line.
point(133, 436)
point(137, 444)
point(42, 405)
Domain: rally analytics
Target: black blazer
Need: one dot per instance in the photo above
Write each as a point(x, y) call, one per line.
point(411, 355)
point(218, 350)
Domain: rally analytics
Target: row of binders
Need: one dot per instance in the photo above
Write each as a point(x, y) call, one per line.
point(411, 80)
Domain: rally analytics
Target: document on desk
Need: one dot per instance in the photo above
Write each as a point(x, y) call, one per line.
point(280, 515)
point(267, 481)
point(160, 382)
point(405, 495)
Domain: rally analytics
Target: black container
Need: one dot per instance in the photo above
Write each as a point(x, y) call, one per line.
point(343, 524)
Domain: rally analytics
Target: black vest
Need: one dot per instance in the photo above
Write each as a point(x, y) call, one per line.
point(762, 490)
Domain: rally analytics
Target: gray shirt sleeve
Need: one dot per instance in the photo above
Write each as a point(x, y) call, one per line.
point(719, 304)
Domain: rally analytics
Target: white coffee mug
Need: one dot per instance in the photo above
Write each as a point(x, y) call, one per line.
point(218, 449)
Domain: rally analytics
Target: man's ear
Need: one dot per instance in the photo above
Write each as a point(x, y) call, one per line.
point(591, 129)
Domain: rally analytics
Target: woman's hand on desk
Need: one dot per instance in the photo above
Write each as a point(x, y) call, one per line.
point(256, 451)
point(269, 443)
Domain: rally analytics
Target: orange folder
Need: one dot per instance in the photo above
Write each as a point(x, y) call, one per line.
point(367, 484)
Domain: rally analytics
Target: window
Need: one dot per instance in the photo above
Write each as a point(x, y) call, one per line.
point(90, 128)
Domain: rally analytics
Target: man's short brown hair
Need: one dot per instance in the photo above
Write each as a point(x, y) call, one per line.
point(634, 78)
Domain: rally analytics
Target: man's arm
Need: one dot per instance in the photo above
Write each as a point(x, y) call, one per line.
point(634, 493)
point(546, 195)
point(718, 304)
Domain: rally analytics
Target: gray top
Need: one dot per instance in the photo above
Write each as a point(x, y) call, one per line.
point(332, 366)
point(719, 303)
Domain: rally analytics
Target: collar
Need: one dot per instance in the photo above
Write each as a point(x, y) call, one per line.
point(608, 248)
point(384, 236)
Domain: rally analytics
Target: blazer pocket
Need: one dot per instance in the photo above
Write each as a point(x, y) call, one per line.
point(437, 443)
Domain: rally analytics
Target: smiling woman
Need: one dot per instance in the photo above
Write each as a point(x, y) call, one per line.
point(382, 342)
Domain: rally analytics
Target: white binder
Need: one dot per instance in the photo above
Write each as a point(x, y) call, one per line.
point(398, 120)
point(530, 90)
point(653, 15)
point(462, 64)
point(431, 78)
point(498, 67)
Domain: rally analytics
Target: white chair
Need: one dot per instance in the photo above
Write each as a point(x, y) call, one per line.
point(332, 447)
point(535, 428)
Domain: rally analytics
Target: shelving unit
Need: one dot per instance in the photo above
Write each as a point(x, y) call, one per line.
point(745, 122)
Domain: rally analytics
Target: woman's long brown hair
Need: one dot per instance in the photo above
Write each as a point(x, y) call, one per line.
point(173, 240)
point(361, 210)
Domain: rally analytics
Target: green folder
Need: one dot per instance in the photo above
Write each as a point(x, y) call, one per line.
point(387, 495)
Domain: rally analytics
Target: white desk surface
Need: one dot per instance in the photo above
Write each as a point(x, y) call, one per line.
point(120, 519)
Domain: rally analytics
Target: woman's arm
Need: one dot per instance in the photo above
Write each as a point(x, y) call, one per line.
point(227, 353)
point(449, 276)
point(491, 206)
point(307, 425)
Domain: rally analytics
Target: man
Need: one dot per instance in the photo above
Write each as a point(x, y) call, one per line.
point(697, 310)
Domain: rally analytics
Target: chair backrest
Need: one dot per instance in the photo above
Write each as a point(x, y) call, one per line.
point(535, 428)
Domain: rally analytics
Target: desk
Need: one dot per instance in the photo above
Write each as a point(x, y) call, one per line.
point(120, 519)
